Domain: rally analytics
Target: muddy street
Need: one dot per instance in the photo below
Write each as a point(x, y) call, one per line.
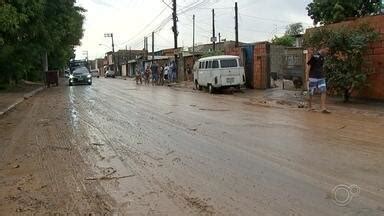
point(115, 148)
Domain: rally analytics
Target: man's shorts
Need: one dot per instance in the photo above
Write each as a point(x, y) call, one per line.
point(317, 86)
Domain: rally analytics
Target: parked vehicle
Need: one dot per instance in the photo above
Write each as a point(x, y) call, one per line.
point(80, 75)
point(95, 73)
point(74, 64)
point(109, 73)
point(219, 72)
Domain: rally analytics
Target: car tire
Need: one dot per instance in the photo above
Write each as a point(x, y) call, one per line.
point(197, 86)
point(70, 84)
point(211, 89)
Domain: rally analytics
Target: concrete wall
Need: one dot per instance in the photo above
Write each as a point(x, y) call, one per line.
point(124, 70)
point(277, 60)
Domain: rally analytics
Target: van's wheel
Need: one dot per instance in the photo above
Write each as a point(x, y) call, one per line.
point(211, 90)
point(198, 87)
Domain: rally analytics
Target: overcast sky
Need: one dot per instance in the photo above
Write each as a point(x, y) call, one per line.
point(131, 20)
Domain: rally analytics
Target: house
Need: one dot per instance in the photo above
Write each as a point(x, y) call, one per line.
point(220, 47)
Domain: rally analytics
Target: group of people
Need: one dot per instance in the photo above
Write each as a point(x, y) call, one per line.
point(155, 74)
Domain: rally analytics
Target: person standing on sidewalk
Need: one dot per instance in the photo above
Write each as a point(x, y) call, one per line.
point(155, 73)
point(166, 72)
point(146, 75)
point(161, 76)
point(189, 73)
point(316, 79)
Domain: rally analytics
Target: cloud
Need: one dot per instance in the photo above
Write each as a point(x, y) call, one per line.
point(259, 20)
point(102, 3)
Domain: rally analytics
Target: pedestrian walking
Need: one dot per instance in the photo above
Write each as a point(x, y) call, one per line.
point(316, 79)
point(146, 75)
point(161, 76)
point(138, 77)
point(189, 73)
point(155, 73)
point(173, 71)
point(166, 72)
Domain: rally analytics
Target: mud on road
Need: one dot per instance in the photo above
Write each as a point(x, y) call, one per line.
point(115, 148)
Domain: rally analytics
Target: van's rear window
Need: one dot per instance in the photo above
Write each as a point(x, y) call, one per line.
point(227, 63)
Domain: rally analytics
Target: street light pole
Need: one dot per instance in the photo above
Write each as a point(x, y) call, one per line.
point(113, 50)
point(175, 34)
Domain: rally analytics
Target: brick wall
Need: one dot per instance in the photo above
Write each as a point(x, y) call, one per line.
point(374, 56)
point(261, 66)
point(236, 51)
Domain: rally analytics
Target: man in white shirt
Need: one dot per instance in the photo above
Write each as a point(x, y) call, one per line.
point(166, 70)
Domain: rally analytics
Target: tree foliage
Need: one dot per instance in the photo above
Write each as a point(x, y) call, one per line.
point(288, 38)
point(345, 68)
point(331, 11)
point(28, 29)
point(294, 29)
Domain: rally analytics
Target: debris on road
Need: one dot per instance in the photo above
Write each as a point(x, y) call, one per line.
point(97, 144)
point(109, 177)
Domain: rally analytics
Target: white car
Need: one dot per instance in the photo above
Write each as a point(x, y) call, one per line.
point(109, 73)
point(95, 73)
point(219, 72)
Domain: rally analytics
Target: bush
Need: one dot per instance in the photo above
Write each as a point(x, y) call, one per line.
point(345, 68)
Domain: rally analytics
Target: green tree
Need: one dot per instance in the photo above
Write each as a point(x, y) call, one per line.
point(331, 11)
point(28, 29)
point(345, 68)
point(295, 29)
point(288, 38)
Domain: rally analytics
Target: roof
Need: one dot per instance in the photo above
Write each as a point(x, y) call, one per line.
point(219, 57)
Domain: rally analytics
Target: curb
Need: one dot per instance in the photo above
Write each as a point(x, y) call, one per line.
point(25, 97)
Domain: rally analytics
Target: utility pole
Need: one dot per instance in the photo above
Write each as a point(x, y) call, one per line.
point(213, 31)
point(45, 62)
point(219, 37)
point(237, 24)
point(45, 65)
point(153, 46)
point(193, 40)
point(175, 34)
point(146, 48)
point(130, 53)
point(113, 50)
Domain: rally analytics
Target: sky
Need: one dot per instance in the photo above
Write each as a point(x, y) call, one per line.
point(131, 20)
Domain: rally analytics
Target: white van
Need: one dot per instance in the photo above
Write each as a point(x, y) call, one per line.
point(218, 72)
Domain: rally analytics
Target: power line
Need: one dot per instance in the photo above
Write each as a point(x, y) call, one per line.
point(266, 19)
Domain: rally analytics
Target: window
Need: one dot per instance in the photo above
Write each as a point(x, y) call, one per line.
point(209, 64)
point(81, 70)
point(227, 63)
point(200, 65)
point(206, 64)
point(215, 64)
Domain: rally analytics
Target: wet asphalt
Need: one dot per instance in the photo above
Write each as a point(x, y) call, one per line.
point(184, 152)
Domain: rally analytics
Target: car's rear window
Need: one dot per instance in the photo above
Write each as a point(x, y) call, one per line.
point(227, 63)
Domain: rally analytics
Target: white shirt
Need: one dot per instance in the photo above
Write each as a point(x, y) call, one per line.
point(166, 69)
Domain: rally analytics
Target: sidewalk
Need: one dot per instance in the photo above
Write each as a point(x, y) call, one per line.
point(278, 97)
point(11, 98)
